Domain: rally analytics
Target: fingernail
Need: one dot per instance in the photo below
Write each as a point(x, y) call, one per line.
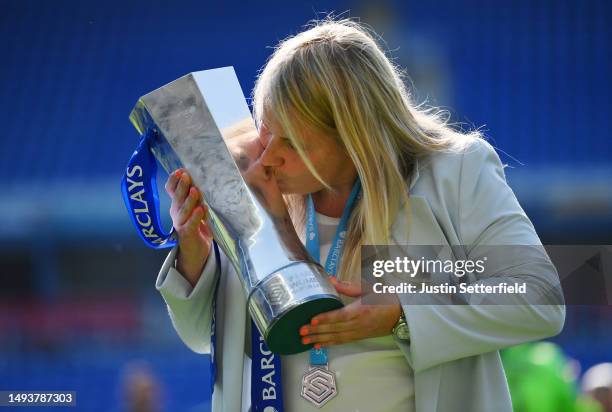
point(314, 322)
point(303, 331)
point(317, 346)
point(305, 341)
point(178, 172)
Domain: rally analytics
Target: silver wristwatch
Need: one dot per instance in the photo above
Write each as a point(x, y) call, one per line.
point(400, 330)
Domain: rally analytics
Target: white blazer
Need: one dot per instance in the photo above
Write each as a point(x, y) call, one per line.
point(455, 199)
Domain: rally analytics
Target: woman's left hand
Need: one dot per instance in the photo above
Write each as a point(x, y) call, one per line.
point(352, 322)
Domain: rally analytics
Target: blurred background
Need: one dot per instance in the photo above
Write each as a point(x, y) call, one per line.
point(78, 306)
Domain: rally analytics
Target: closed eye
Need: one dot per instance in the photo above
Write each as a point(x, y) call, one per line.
point(287, 141)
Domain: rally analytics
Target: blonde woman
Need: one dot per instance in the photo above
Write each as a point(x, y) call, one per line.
point(335, 119)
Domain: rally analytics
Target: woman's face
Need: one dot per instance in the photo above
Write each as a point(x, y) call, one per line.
point(327, 156)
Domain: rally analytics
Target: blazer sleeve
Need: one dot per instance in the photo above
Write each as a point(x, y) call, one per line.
point(190, 308)
point(489, 215)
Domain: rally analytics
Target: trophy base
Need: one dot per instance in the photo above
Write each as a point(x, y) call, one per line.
point(284, 335)
point(287, 300)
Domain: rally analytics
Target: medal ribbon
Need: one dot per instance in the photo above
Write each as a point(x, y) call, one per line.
point(318, 357)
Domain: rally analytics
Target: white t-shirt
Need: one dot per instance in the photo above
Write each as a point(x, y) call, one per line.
point(371, 374)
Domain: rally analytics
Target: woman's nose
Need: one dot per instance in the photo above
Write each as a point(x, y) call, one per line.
point(271, 156)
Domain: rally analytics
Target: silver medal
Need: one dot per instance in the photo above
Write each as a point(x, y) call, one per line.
point(319, 385)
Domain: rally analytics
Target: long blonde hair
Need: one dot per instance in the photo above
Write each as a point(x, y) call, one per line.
point(335, 78)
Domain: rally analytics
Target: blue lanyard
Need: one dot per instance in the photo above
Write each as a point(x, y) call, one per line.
point(213, 325)
point(319, 356)
point(266, 382)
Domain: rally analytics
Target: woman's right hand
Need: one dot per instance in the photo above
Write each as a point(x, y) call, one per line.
point(194, 235)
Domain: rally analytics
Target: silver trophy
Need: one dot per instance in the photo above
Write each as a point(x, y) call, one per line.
point(202, 123)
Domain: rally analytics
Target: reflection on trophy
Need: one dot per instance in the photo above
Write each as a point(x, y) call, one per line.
point(202, 123)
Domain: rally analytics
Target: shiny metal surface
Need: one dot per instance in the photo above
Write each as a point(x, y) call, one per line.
point(285, 290)
point(203, 124)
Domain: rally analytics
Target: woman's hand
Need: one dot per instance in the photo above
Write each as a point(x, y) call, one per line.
point(194, 235)
point(352, 322)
